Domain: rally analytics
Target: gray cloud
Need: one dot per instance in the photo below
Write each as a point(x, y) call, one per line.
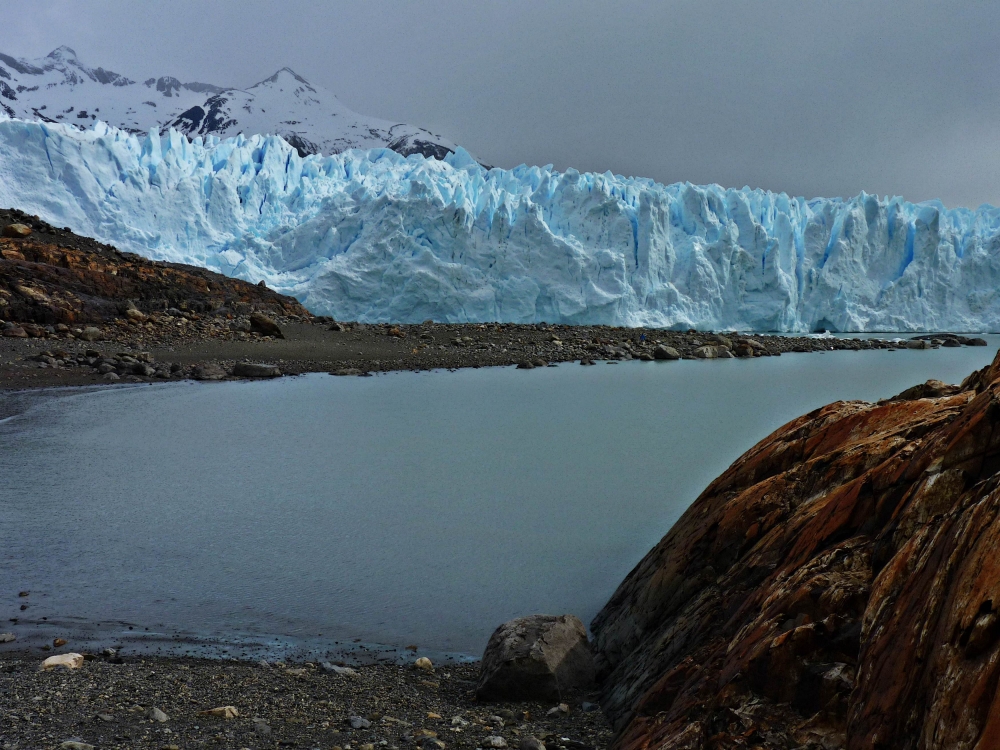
point(811, 98)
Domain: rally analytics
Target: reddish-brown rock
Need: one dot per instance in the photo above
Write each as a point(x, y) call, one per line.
point(837, 586)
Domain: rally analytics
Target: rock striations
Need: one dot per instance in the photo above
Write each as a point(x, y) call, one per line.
point(838, 586)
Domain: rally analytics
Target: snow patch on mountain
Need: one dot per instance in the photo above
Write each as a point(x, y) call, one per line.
point(59, 88)
point(376, 236)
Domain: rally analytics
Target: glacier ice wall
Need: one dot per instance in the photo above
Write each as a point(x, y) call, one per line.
point(374, 236)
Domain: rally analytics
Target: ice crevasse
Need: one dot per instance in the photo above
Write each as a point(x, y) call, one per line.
point(374, 236)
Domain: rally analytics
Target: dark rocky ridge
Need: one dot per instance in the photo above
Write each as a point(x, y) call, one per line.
point(837, 586)
point(54, 276)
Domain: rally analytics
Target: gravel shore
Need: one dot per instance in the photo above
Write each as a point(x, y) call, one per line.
point(110, 702)
point(176, 345)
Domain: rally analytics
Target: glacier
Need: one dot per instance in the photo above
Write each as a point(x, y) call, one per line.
point(375, 236)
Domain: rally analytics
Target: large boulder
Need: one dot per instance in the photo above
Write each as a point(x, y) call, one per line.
point(540, 657)
point(209, 371)
point(17, 231)
point(666, 353)
point(260, 323)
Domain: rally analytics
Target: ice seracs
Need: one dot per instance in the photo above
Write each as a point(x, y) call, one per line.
point(376, 236)
point(60, 88)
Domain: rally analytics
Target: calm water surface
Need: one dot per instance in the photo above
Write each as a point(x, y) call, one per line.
point(406, 508)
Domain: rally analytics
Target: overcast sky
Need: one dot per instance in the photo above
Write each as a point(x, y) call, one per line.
point(810, 97)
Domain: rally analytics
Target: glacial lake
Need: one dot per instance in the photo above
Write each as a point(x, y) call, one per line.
point(309, 515)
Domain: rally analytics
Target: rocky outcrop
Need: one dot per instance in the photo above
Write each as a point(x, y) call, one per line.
point(837, 586)
point(539, 657)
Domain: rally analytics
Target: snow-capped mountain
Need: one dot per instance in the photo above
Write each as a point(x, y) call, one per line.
point(59, 88)
point(373, 236)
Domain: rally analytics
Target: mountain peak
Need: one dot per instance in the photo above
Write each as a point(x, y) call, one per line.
point(284, 73)
point(63, 54)
point(61, 88)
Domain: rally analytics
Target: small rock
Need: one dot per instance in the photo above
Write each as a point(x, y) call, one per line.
point(111, 376)
point(7, 637)
point(90, 334)
point(424, 663)
point(17, 231)
point(706, 352)
point(76, 745)
point(295, 672)
point(432, 715)
point(261, 727)
point(109, 653)
point(539, 362)
point(458, 721)
point(588, 707)
point(359, 722)
point(69, 661)
point(531, 743)
point(976, 342)
point(562, 708)
point(254, 370)
point(57, 642)
point(157, 715)
point(222, 712)
point(525, 365)
point(104, 717)
point(341, 671)
point(918, 344)
point(23, 594)
point(366, 746)
point(15, 332)
point(494, 740)
point(345, 371)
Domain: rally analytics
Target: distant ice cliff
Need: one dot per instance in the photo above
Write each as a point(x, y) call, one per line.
point(374, 236)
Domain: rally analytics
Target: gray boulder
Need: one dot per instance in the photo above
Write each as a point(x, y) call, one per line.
point(666, 352)
point(540, 657)
point(210, 371)
point(254, 370)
